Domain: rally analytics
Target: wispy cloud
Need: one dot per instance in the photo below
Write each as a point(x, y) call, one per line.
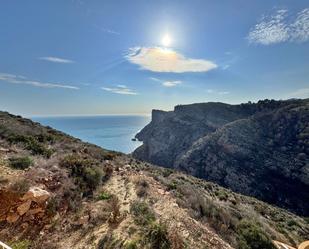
point(120, 89)
point(281, 27)
point(56, 59)
point(110, 31)
point(18, 79)
point(300, 93)
point(159, 59)
point(167, 83)
point(212, 91)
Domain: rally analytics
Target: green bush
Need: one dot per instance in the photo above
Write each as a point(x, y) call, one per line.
point(52, 206)
point(85, 171)
point(104, 196)
point(20, 162)
point(32, 144)
point(158, 236)
point(251, 236)
point(143, 215)
point(131, 245)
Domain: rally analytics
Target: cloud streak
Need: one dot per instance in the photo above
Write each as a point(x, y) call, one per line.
point(167, 83)
point(18, 79)
point(120, 89)
point(159, 59)
point(56, 60)
point(281, 27)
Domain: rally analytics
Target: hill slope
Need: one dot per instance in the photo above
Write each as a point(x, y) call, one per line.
point(258, 149)
point(59, 192)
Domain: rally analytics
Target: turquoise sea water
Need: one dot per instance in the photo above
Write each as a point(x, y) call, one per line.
point(113, 132)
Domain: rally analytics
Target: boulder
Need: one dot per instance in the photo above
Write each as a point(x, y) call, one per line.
point(23, 208)
point(37, 195)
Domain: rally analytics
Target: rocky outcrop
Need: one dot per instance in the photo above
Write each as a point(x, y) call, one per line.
point(258, 149)
point(29, 208)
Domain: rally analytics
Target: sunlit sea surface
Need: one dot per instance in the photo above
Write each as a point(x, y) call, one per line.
point(113, 132)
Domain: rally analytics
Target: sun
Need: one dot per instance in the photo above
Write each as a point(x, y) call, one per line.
point(166, 40)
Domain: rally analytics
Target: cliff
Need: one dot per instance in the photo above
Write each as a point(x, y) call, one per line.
point(256, 149)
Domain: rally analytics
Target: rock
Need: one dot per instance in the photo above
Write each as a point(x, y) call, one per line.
point(35, 211)
point(12, 217)
point(37, 195)
point(23, 208)
point(83, 220)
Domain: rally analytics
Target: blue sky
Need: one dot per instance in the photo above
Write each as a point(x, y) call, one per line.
point(81, 57)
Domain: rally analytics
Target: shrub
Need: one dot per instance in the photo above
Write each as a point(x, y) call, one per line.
point(251, 236)
point(108, 171)
point(143, 215)
point(115, 207)
point(87, 175)
point(167, 172)
point(104, 196)
point(52, 206)
point(131, 245)
point(21, 186)
point(158, 237)
point(109, 242)
point(20, 162)
point(172, 185)
point(142, 188)
point(32, 144)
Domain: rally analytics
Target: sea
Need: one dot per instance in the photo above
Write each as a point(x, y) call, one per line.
point(112, 132)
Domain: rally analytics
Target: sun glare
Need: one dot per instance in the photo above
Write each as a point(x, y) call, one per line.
point(166, 40)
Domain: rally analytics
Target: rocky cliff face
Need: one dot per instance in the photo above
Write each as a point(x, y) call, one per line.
point(258, 149)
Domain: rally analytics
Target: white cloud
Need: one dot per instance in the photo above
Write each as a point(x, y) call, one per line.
point(120, 89)
point(171, 83)
point(159, 59)
point(167, 83)
point(301, 27)
point(17, 79)
point(56, 59)
point(300, 93)
point(281, 27)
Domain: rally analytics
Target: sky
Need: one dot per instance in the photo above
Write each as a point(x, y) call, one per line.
point(78, 57)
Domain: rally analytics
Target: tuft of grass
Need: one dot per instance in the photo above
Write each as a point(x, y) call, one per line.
point(142, 213)
point(157, 235)
point(20, 186)
point(23, 244)
point(20, 162)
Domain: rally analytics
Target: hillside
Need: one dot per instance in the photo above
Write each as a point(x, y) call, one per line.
point(261, 149)
point(59, 192)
